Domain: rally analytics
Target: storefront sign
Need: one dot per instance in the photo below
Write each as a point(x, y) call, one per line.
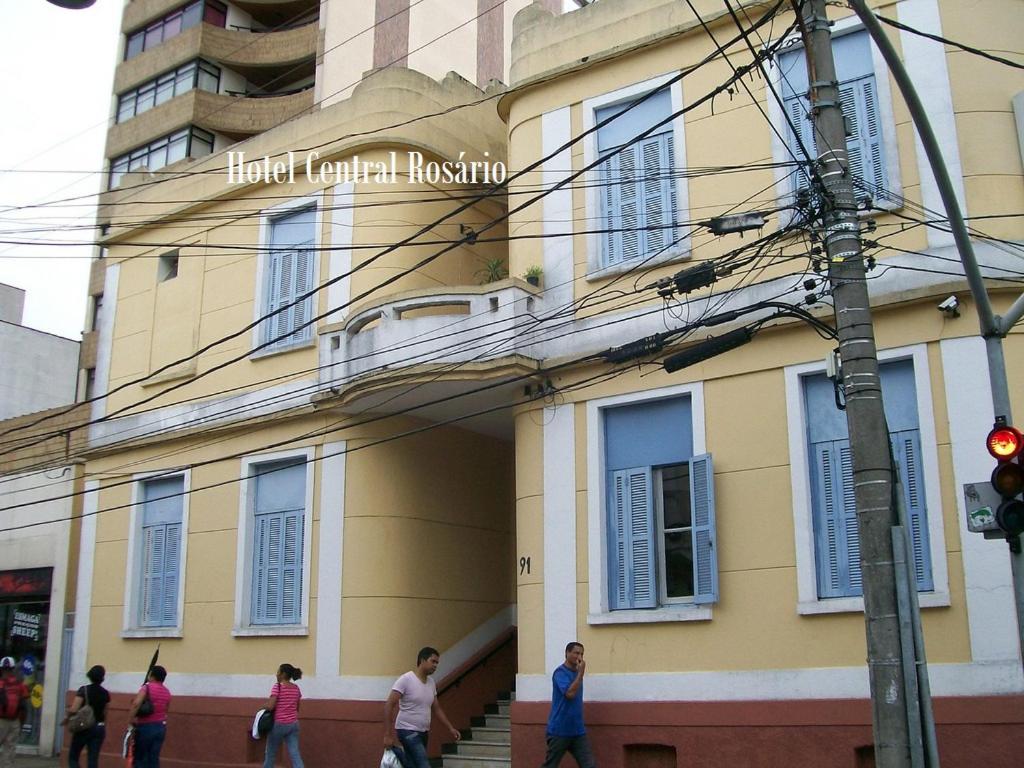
point(26, 625)
point(26, 582)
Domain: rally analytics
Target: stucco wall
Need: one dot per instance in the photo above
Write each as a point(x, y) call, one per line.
point(39, 370)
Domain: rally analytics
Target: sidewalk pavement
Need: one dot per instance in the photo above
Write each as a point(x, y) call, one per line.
point(34, 761)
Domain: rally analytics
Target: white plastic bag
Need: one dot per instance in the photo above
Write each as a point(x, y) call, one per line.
point(390, 760)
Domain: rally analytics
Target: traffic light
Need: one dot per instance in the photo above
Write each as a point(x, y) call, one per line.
point(1006, 445)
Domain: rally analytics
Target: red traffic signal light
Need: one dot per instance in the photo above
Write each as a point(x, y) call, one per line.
point(1004, 443)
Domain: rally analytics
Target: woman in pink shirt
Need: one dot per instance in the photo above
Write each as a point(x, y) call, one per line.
point(151, 729)
point(284, 701)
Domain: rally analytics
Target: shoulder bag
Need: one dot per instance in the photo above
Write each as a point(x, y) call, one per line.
point(85, 717)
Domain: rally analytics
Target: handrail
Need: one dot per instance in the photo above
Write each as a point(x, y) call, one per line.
point(480, 660)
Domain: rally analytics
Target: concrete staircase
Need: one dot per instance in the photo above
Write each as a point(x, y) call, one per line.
point(487, 743)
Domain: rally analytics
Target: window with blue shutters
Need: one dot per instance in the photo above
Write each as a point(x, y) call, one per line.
point(278, 508)
point(834, 513)
point(661, 542)
point(161, 537)
point(637, 183)
point(289, 274)
point(858, 95)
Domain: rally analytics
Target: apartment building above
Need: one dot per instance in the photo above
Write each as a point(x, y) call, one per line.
point(198, 76)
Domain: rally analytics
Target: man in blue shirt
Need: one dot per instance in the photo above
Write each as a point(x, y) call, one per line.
point(565, 731)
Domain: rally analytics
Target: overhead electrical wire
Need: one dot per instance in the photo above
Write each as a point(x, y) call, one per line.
point(405, 241)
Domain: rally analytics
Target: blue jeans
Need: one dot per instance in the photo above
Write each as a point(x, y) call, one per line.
point(91, 740)
point(413, 753)
point(149, 739)
point(289, 734)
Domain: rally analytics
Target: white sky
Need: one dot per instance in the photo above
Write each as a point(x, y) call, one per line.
point(58, 66)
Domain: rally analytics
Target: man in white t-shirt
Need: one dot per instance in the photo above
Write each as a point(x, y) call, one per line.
point(414, 695)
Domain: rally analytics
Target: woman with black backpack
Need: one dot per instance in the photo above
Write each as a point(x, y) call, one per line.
point(88, 730)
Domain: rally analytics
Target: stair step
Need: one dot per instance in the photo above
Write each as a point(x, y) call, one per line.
point(499, 708)
point(491, 735)
point(492, 721)
point(479, 748)
point(469, 761)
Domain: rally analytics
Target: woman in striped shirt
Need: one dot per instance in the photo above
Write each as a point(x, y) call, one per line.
point(284, 701)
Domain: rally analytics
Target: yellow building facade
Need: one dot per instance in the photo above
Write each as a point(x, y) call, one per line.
point(340, 424)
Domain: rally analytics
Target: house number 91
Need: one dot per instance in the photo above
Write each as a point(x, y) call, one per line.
point(524, 566)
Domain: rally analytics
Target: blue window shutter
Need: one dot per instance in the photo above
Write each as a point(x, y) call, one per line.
point(303, 311)
point(659, 212)
point(277, 569)
point(705, 544)
point(628, 213)
point(261, 570)
point(631, 552)
point(278, 293)
point(152, 574)
point(906, 448)
point(172, 564)
point(278, 531)
point(291, 569)
point(797, 109)
point(835, 524)
point(609, 172)
point(289, 275)
point(161, 551)
point(864, 141)
point(859, 101)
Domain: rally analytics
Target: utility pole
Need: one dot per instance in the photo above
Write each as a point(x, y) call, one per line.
point(869, 434)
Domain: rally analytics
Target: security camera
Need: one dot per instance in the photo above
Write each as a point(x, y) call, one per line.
point(950, 307)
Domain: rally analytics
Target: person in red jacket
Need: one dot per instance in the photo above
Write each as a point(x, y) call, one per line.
point(13, 696)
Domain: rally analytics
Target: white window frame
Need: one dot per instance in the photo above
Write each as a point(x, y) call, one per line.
point(784, 182)
point(597, 519)
point(596, 270)
point(808, 602)
point(267, 217)
point(243, 626)
point(130, 624)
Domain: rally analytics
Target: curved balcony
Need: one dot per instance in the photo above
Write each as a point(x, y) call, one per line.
point(249, 53)
point(240, 49)
point(239, 116)
point(477, 329)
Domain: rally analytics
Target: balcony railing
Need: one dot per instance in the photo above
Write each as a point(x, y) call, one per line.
point(427, 330)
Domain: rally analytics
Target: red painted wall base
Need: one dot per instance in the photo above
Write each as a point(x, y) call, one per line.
point(972, 731)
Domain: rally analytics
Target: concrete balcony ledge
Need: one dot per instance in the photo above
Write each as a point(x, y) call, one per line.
point(465, 326)
point(243, 115)
point(243, 48)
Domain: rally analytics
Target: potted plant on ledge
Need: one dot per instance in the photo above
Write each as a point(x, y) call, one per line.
point(533, 275)
point(491, 271)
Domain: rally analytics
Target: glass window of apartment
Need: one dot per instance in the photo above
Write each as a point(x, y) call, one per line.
point(834, 513)
point(638, 186)
point(288, 275)
point(188, 142)
point(278, 521)
point(194, 74)
point(660, 508)
point(858, 93)
point(174, 23)
point(160, 562)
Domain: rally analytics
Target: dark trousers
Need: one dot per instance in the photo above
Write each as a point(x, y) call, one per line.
point(90, 740)
point(149, 738)
point(577, 746)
